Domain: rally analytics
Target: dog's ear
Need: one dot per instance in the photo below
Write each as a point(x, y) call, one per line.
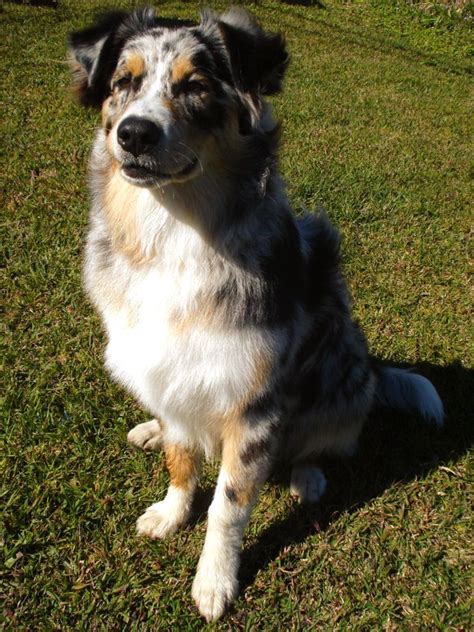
point(258, 59)
point(94, 52)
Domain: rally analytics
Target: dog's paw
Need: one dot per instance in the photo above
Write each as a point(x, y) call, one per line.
point(158, 521)
point(213, 591)
point(308, 483)
point(146, 436)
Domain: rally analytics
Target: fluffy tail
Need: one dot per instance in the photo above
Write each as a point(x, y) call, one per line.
point(403, 390)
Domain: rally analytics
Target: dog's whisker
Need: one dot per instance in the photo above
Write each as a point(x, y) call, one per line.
point(194, 153)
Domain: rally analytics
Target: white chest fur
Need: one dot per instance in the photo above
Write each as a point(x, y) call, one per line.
point(191, 376)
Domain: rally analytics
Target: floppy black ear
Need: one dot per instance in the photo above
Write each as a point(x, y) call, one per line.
point(95, 51)
point(93, 55)
point(258, 59)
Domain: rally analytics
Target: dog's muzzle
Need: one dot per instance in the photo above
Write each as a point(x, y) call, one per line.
point(138, 136)
point(140, 139)
point(145, 175)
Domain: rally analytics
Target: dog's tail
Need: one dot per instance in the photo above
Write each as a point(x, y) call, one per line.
point(403, 390)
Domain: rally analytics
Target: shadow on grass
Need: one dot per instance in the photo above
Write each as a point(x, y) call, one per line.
point(307, 3)
point(366, 39)
point(393, 448)
point(53, 4)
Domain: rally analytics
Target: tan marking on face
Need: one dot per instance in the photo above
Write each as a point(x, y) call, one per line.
point(172, 106)
point(121, 202)
point(182, 68)
point(135, 64)
point(182, 466)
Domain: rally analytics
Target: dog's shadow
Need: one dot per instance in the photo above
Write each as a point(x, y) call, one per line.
point(394, 448)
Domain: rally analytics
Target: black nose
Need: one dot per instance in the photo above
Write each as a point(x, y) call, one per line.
point(138, 135)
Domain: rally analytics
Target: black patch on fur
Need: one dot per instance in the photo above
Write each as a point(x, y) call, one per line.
point(357, 372)
point(263, 407)
point(243, 305)
point(258, 153)
point(274, 286)
point(103, 251)
point(230, 494)
point(256, 451)
point(203, 62)
point(93, 89)
point(254, 61)
point(331, 365)
point(211, 115)
point(323, 267)
point(213, 46)
point(282, 270)
point(258, 59)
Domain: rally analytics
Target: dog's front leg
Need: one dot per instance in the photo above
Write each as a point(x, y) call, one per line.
point(164, 518)
point(246, 460)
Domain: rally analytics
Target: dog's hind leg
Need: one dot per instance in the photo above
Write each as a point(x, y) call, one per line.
point(308, 483)
point(166, 517)
point(147, 436)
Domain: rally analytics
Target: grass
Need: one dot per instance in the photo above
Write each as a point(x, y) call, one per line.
point(376, 128)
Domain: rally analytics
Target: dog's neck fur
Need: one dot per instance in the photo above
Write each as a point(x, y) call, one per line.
point(215, 204)
point(222, 206)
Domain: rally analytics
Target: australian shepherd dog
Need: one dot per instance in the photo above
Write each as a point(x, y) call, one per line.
point(226, 315)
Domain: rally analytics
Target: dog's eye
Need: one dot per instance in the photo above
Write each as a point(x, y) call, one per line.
point(123, 82)
point(195, 86)
point(190, 87)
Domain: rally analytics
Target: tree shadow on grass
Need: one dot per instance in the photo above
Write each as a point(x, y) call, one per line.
point(307, 3)
point(393, 448)
point(361, 36)
point(53, 4)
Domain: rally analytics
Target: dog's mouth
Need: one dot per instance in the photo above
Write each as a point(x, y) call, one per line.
point(145, 176)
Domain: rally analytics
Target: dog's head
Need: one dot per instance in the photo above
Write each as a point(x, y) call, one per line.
point(169, 88)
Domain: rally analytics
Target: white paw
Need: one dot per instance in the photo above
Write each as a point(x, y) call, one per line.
point(213, 591)
point(158, 521)
point(146, 436)
point(308, 483)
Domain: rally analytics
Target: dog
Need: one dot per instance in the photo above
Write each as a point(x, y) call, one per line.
point(226, 315)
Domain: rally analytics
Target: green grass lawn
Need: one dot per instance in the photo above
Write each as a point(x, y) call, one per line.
point(376, 128)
